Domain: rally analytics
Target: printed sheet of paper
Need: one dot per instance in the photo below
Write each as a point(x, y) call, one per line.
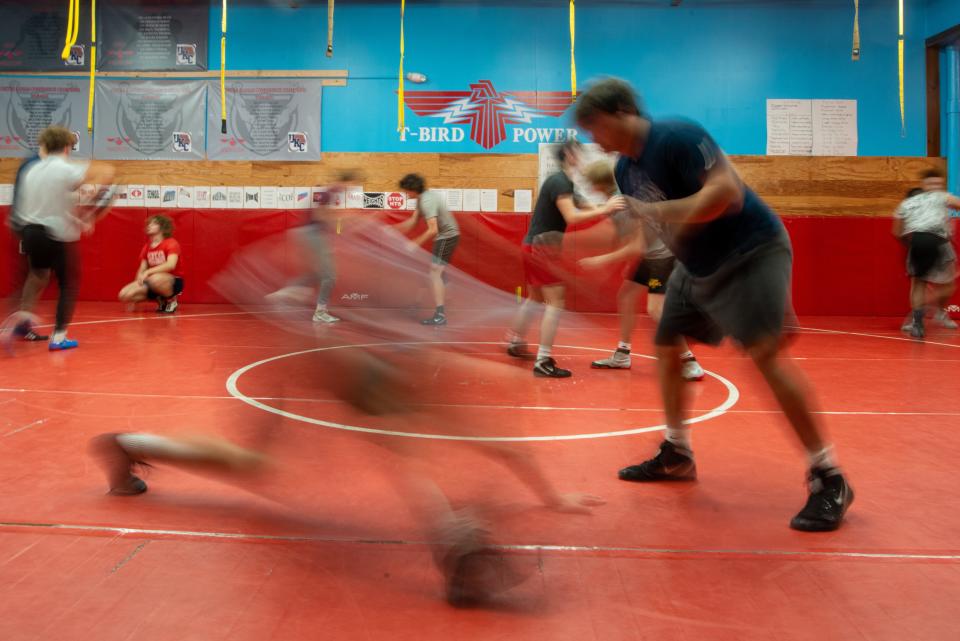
point(522, 200)
point(488, 200)
point(471, 200)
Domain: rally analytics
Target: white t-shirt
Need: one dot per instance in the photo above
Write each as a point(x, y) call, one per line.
point(47, 196)
point(926, 212)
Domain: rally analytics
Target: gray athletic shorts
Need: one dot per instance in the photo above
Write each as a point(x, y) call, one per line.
point(443, 250)
point(747, 298)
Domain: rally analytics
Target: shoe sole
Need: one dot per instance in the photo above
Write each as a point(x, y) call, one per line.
point(596, 366)
point(657, 479)
point(541, 375)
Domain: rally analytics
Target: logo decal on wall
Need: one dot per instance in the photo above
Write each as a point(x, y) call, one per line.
point(488, 112)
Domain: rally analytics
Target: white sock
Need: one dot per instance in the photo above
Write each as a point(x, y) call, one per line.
point(624, 346)
point(687, 355)
point(321, 309)
point(543, 352)
point(823, 459)
point(513, 338)
point(680, 437)
point(59, 336)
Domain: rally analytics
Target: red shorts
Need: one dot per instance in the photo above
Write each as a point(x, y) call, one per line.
point(540, 266)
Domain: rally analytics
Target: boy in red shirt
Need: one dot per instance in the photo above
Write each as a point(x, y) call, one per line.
point(160, 275)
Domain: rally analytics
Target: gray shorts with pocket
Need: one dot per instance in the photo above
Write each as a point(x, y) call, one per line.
point(747, 298)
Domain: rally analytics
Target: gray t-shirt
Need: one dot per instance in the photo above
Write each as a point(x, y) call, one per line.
point(430, 205)
point(48, 196)
point(927, 212)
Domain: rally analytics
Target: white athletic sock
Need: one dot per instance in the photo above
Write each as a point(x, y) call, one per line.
point(624, 346)
point(514, 338)
point(680, 438)
point(823, 459)
point(543, 352)
point(59, 336)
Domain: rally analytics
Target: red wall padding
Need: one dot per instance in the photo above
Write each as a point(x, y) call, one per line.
point(842, 265)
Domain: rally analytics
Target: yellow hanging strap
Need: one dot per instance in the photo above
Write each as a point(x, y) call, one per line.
point(73, 27)
point(93, 62)
point(329, 28)
point(403, 6)
point(903, 121)
point(573, 59)
point(855, 53)
point(223, 68)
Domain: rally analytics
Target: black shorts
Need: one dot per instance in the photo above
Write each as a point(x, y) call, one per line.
point(443, 250)
point(654, 274)
point(746, 298)
point(177, 289)
point(926, 252)
point(41, 250)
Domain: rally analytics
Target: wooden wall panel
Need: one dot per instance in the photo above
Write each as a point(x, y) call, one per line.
point(794, 186)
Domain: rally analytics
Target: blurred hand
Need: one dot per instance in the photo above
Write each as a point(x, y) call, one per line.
point(616, 203)
point(592, 262)
point(577, 503)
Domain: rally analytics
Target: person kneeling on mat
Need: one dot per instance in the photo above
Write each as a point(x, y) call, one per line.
point(159, 275)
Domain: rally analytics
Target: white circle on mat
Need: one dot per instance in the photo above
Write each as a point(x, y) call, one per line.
point(733, 395)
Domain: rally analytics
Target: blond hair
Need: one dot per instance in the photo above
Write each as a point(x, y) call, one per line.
point(600, 175)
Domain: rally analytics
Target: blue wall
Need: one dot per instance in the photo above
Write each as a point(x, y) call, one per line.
point(941, 15)
point(716, 64)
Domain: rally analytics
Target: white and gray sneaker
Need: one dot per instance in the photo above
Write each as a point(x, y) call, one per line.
point(323, 316)
point(907, 323)
point(944, 319)
point(619, 360)
point(691, 370)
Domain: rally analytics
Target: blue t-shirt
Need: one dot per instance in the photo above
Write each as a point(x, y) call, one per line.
point(673, 165)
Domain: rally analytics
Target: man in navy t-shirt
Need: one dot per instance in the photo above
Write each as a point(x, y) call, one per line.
point(732, 279)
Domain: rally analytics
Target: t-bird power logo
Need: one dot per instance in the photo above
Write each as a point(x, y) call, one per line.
point(488, 112)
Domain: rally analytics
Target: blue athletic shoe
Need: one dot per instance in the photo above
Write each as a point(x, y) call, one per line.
point(62, 345)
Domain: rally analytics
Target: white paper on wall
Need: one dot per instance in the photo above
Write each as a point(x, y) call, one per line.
point(185, 197)
point(522, 200)
point(234, 197)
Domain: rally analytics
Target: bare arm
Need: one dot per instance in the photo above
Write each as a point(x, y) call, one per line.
point(140, 269)
point(634, 248)
point(167, 266)
point(430, 232)
point(722, 192)
point(897, 226)
point(98, 173)
point(573, 215)
point(953, 202)
point(406, 226)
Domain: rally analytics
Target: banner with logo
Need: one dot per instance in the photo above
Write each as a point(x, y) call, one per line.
point(149, 120)
point(32, 34)
point(266, 120)
point(30, 105)
point(150, 35)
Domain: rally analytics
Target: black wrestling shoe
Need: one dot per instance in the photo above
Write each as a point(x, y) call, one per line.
point(670, 464)
point(547, 367)
point(25, 332)
point(117, 465)
point(436, 320)
point(521, 351)
point(830, 496)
